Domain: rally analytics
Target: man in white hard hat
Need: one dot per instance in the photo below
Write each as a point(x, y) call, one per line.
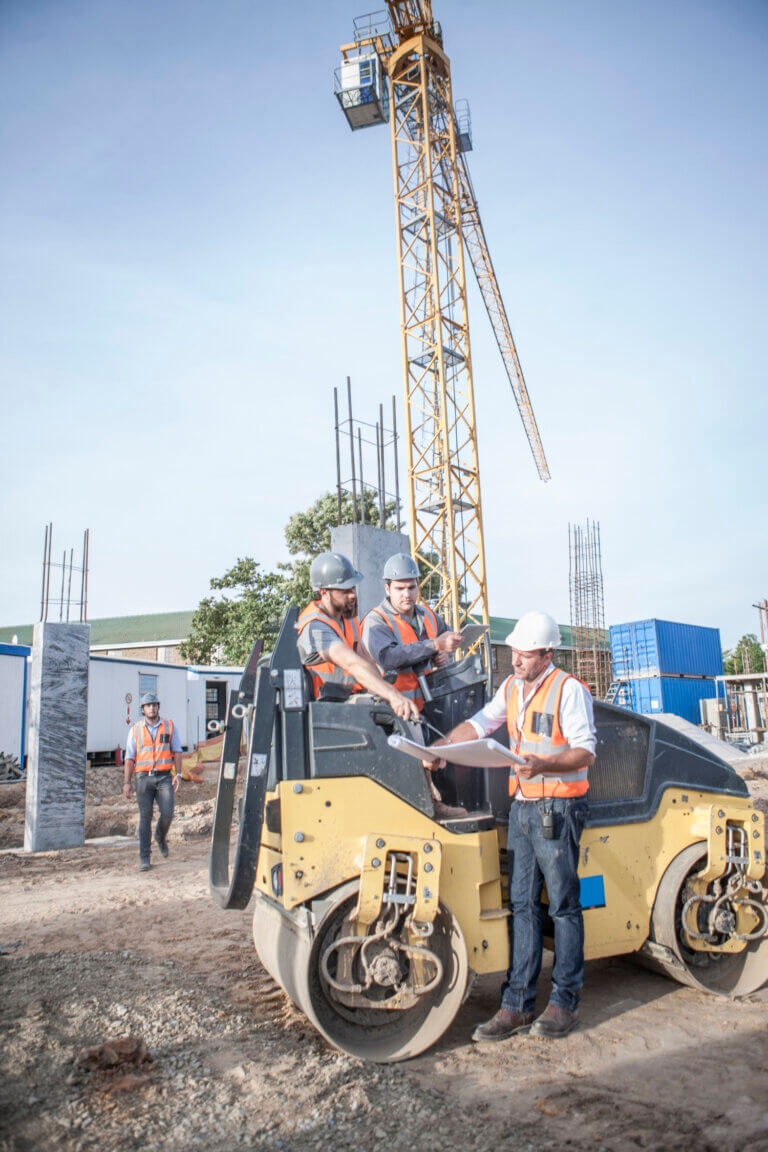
point(329, 640)
point(550, 723)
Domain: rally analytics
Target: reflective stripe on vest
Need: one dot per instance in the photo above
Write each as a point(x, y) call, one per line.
point(407, 681)
point(542, 713)
point(153, 755)
point(348, 631)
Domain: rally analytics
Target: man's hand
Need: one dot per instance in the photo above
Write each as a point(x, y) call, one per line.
point(534, 765)
point(448, 642)
point(177, 782)
point(127, 789)
point(434, 765)
point(401, 705)
point(441, 659)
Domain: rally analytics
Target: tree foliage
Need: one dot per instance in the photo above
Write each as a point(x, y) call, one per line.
point(252, 602)
point(747, 656)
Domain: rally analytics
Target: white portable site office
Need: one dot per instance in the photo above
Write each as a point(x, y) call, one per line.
point(189, 696)
point(114, 689)
point(207, 698)
point(13, 699)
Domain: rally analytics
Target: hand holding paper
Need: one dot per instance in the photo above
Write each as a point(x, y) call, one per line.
point(470, 754)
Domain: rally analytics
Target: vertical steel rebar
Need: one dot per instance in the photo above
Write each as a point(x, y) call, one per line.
point(352, 451)
point(338, 454)
point(397, 475)
point(362, 480)
point(87, 561)
point(42, 588)
point(378, 473)
point(63, 573)
point(383, 469)
point(82, 579)
point(48, 570)
point(69, 584)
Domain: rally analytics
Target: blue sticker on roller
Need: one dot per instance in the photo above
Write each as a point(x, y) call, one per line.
point(592, 892)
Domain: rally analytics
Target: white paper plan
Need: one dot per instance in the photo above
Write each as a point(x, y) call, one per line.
point(471, 754)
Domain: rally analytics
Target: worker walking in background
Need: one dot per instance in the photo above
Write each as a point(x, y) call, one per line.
point(329, 639)
point(550, 723)
point(153, 754)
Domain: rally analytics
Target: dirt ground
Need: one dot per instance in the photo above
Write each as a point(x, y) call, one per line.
point(91, 951)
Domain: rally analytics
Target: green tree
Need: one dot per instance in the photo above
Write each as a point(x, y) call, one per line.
point(253, 602)
point(747, 656)
point(224, 629)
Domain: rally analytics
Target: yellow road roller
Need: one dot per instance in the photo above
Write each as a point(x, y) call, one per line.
point(374, 917)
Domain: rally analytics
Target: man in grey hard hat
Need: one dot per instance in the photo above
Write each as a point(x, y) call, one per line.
point(153, 752)
point(329, 641)
point(401, 634)
point(550, 723)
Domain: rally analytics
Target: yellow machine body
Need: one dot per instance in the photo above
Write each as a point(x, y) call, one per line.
point(333, 830)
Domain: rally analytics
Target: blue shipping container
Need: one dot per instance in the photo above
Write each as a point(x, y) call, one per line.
point(662, 648)
point(679, 695)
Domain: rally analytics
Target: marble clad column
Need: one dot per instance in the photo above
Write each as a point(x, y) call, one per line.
point(57, 737)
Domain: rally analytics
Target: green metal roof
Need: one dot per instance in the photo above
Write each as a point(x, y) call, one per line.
point(501, 626)
point(122, 630)
point(165, 626)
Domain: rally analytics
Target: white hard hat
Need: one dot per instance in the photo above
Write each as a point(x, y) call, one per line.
point(534, 630)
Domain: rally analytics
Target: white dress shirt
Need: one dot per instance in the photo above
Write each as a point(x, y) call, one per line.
point(576, 716)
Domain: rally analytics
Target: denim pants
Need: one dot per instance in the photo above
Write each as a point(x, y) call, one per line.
point(532, 862)
point(150, 790)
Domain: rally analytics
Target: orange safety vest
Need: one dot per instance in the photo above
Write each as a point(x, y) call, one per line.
point(407, 681)
point(348, 631)
point(153, 755)
point(541, 734)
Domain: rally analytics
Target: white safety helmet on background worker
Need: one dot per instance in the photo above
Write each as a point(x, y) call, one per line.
point(332, 570)
point(534, 631)
point(401, 566)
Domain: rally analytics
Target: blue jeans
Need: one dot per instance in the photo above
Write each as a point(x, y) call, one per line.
point(533, 861)
point(151, 790)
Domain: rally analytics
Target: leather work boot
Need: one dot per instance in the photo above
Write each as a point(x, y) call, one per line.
point(503, 1025)
point(554, 1022)
point(162, 845)
point(447, 812)
point(144, 866)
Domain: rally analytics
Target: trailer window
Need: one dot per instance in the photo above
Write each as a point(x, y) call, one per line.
point(147, 684)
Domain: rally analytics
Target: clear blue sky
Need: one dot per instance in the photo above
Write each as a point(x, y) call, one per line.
point(195, 249)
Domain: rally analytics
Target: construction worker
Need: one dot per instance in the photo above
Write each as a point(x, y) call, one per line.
point(550, 723)
point(329, 638)
point(401, 634)
point(153, 753)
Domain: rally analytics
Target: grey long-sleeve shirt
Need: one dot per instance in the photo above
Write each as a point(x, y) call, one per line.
point(385, 645)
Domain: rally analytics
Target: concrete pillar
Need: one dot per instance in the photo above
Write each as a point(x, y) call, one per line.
point(368, 548)
point(58, 717)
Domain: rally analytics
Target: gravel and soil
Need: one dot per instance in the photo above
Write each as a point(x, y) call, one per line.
point(134, 1013)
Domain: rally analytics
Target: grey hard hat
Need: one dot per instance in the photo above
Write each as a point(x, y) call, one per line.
point(148, 698)
point(332, 570)
point(401, 566)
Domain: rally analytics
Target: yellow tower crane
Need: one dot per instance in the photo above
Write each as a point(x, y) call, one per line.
point(396, 70)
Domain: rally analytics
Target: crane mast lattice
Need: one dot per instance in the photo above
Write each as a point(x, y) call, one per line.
point(396, 69)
